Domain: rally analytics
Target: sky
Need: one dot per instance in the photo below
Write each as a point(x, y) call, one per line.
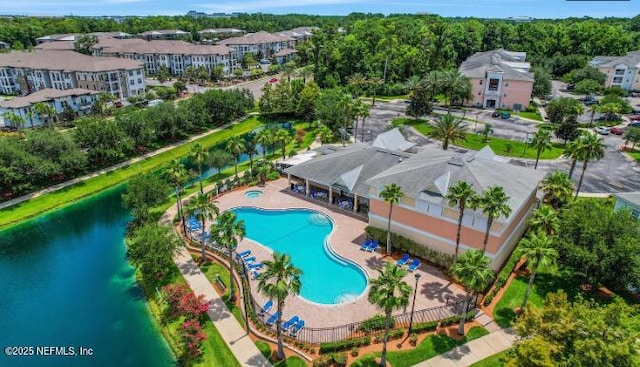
point(447, 8)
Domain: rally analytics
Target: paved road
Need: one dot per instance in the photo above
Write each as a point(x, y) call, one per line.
point(614, 173)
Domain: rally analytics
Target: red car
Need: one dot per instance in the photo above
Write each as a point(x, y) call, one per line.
point(274, 80)
point(634, 118)
point(617, 130)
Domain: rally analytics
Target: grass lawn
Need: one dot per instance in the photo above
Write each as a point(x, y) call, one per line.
point(531, 115)
point(264, 348)
point(431, 346)
point(68, 195)
point(498, 145)
point(495, 360)
point(212, 270)
point(291, 362)
point(635, 155)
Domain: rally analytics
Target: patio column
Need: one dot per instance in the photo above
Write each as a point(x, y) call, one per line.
point(355, 203)
point(306, 182)
point(330, 195)
point(289, 178)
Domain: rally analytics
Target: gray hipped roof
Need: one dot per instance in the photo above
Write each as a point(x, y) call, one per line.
point(429, 174)
point(349, 168)
point(632, 60)
point(510, 63)
point(392, 140)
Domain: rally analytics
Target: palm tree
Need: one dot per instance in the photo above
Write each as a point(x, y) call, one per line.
point(493, 203)
point(591, 147)
point(413, 83)
point(44, 111)
point(325, 134)
point(488, 129)
point(473, 272)
point(541, 141)
point(15, 119)
point(456, 86)
point(389, 292)
point(362, 111)
point(250, 148)
point(280, 280)
point(593, 109)
point(545, 219)
point(263, 137)
point(235, 145)
point(178, 175)
point(391, 194)
point(203, 209)
point(571, 151)
point(449, 129)
point(358, 82)
point(557, 188)
point(432, 82)
point(283, 137)
point(230, 231)
point(376, 82)
point(305, 72)
point(537, 248)
point(199, 155)
point(459, 195)
point(288, 69)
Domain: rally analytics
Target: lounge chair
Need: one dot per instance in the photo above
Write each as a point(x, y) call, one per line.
point(297, 327)
point(404, 260)
point(243, 254)
point(255, 274)
point(373, 247)
point(248, 260)
point(267, 306)
point(414, 265)
point(253, 266)
point(273, 319)
point(292, 321)
point(366, 244)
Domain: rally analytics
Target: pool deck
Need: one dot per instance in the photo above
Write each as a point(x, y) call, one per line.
point(345, 239)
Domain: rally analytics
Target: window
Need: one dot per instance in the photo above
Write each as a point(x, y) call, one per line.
point(493, 84)
point(619, 71)
point(617, 80)
point(480, 81)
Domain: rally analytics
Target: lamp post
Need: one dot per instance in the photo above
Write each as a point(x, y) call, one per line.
point(413, 305)
point(526, 143)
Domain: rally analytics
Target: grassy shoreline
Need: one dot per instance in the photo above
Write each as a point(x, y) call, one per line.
point(59, 199)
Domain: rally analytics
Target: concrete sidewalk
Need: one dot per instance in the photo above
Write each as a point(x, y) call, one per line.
point(231, 331)
point(473, 351)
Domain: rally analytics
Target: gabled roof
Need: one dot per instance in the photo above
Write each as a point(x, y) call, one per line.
point(160, 32)
point(392, 140)
point(285, 52)
point(630, 197)
point(220, 30)
point(162, 47)
point(434, 171)
point(255, 39)
point(44, 95)
point(66, 61)
point(349, 167)
point(510, 63)
point(632, 60)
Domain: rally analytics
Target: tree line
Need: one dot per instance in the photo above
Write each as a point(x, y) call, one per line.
point(42, 157)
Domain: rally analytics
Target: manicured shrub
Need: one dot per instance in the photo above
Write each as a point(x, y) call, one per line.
point(376, 322)
point(424, 326)
point(409, 246)
point(413, 339)
point(344, 344)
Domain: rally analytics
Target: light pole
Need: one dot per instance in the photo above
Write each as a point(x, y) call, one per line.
point(526, 143)
point(413, 305)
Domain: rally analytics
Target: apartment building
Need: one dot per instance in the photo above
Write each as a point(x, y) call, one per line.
point(499, 79)
point(80, 101)
point(176, 56)
point(220, 33)
point(621, 71)
point(300, 34)
point(261, 44)
point(164, 34)
point(28, 72)
point(72, 37)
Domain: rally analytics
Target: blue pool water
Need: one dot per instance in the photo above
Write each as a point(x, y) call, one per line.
point(253, 194)
point(301, 233)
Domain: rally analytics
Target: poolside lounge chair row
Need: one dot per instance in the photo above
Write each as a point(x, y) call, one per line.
point(370, 245)
point(293, 325)
point(405, 259)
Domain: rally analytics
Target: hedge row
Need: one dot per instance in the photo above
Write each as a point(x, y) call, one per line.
point(344, 344)
point(409, 246)
point(333, 359)
point(502, 278)
point(376, 322)
point(393, 334)
point(425, 326)
point(456, 319)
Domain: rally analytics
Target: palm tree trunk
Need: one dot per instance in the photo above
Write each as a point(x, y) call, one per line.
point(450, 102)
point(204, 255)
point(374, 97)
point(389, 230)
point(251, 162)
point(236, 167)
point(584, 168)
point(573, 166)
point(537, 158)
point(355, 131)
point(531, 278)
point(200, 173)
point(385, 339)
point(463, 316)
point(284, 147)
point(486, 234)
point(362, 132)
point(232, 293)
point(280, 353)
point(455, 256)
point(179, 206)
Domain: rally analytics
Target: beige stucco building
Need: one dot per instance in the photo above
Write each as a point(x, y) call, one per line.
point(621, 71)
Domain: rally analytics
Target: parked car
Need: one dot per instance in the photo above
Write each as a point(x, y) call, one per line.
point(602, 130)
point(634, 124)
point(264, 62)
point(495, 114)
point(570, 86)
point(634, 118)
point(505, 115)
point(617, 130)
point(274, 80)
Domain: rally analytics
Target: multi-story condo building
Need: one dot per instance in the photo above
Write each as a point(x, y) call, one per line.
point(499, 79)
point(176, 56)
point(300, 34)
point(621, 71)
point(164, 34)
point(221, 33)
point(72, 37)
point(28, 72)
point(80, 101)
point(261, 44)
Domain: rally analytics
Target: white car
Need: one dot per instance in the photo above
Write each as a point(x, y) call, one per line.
point(603, 130)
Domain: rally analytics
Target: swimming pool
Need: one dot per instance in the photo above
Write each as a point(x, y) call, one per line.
point(253, 194)
point(301, 233)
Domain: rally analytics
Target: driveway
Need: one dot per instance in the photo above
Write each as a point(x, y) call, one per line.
point(613, 173)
